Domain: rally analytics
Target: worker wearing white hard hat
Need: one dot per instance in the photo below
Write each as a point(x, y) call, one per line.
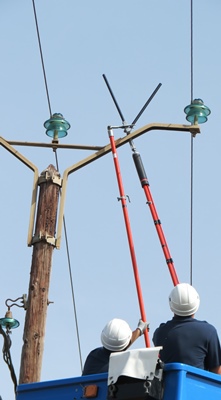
point(116, 336)
point(186, 339)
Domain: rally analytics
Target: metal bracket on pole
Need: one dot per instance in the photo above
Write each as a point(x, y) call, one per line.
point(47, 177)
point(28, 163)
point(43, 238)
point(102, 151)
point(194, 129)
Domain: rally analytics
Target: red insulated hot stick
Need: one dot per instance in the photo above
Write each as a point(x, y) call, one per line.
point(129, 232)
point(144, 181)
point(145, 185)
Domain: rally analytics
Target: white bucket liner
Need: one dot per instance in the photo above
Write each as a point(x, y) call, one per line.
point(138, 363)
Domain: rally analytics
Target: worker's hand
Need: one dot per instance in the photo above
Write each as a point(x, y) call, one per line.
point(142, 326)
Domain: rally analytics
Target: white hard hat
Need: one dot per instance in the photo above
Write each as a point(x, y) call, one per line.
point(184, 300)
point(116, 335)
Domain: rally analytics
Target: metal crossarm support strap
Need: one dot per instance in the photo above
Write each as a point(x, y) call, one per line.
point(194, 129)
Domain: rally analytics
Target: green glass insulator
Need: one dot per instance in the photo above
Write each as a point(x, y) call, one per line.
point(197, 112)
point(57, 126)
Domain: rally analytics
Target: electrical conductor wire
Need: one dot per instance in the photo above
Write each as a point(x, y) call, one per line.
point(71, 281)
point(56, 159)
point(42, 60)
point(191, 146)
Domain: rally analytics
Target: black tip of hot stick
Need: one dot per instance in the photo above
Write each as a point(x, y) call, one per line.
point(146, 104)
point(114, 99)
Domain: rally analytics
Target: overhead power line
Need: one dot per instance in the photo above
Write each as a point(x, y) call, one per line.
point(56, 160)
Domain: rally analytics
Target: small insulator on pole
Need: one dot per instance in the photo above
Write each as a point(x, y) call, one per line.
point(9, 322)
point(57, 126)
point(197, 112)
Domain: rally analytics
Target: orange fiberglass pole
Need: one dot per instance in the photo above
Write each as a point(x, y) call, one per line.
point(129, 232)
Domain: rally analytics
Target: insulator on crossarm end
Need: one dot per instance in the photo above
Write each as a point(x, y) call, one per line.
point(197, 112)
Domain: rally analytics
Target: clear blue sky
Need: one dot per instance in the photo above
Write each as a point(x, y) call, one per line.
point(137, 45)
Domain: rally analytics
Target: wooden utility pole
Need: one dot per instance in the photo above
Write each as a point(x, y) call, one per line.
point(43, 245)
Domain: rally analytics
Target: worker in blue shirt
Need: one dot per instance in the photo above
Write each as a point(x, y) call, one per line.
point(116, 336)
point(185, 339)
